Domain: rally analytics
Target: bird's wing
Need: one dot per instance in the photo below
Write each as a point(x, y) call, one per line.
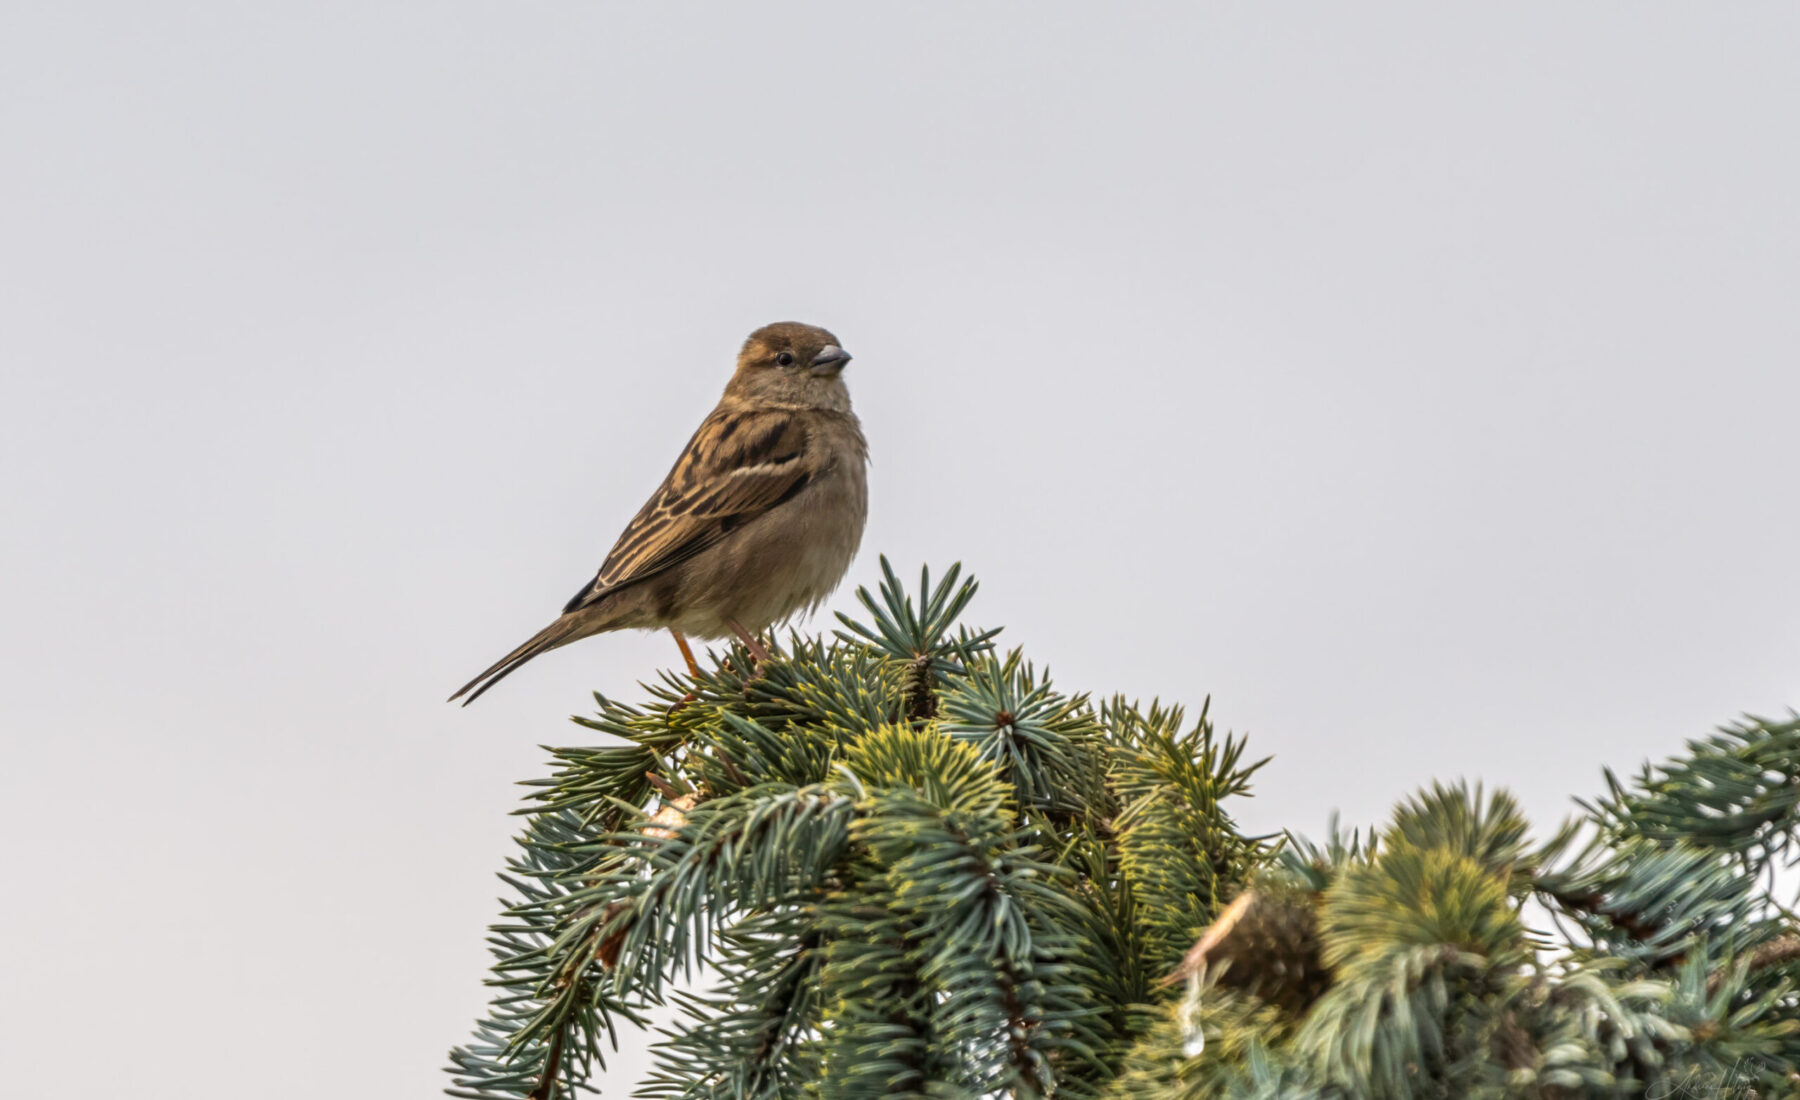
point(738, 466)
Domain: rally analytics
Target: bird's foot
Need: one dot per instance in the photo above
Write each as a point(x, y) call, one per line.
point(758, 652)
point(686, 653)
point(693, 668)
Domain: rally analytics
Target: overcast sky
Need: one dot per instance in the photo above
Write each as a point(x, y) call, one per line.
point(1420, 383)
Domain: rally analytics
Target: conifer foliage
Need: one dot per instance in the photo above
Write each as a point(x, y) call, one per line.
point(899, 863)
point(1642, 951)
point(911, 866)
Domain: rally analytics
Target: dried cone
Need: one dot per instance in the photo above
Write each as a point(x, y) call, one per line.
point(671, 816)
point(1265, 943)
point(615, 940)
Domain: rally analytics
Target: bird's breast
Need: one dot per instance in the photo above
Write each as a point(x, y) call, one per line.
point(786, 561)
point(820, 539)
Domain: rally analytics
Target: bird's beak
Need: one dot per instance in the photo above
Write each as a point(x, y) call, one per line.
point(830, 360)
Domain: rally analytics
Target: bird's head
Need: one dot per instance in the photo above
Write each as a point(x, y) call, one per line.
point(788, 364)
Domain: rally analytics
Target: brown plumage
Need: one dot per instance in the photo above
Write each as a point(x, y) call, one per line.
point(757, 520)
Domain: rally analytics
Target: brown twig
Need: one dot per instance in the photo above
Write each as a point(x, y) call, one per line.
point(1594, 905)
point(546, 1085)
point(1779, 950)
point(663, 786)
point(920, 700)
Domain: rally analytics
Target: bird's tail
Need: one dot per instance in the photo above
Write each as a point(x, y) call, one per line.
point(560, 632)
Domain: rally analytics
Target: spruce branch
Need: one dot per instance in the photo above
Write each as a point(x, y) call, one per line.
point(919, 639)
point(895, 862)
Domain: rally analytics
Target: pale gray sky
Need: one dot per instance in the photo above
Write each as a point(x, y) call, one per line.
point(1419, 381)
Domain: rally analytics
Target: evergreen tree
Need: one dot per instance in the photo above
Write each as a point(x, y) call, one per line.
point(912, 868)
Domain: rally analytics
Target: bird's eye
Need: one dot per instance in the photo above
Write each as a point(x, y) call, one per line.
point(786, 358)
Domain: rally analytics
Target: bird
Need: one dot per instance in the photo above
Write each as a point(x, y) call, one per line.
point(757, 521)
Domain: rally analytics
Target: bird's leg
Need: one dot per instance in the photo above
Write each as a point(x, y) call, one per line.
point(686, 653)
point(750, 643)
point(693, 670)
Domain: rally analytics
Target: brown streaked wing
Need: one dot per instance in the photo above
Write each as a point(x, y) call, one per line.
point(737, 466)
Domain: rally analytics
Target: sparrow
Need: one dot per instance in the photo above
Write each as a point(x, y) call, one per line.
point(757, 520)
